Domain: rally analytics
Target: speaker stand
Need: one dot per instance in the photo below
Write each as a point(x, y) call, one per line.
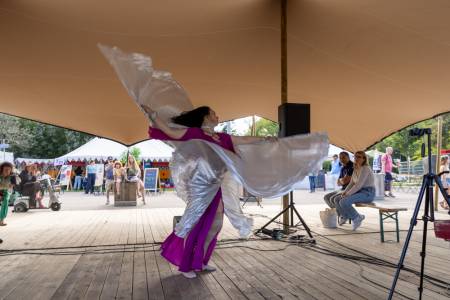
point(291, 208)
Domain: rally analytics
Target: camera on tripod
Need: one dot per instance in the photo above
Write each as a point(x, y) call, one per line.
point(419, 131)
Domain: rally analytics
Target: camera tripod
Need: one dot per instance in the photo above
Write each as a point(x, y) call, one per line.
point(428, 216)
point(291, 208)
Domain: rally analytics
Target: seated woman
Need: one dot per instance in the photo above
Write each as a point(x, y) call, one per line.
point(30, 187)
point(134, 175)
point(7, 181)
point(361, 189)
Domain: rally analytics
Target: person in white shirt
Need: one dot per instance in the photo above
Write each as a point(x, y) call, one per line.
point(361, 189)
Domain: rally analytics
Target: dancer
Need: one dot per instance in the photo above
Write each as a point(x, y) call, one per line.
point(206, 167)
point(184, 251)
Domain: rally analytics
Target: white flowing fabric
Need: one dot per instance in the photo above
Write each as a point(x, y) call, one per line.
point(266, 169)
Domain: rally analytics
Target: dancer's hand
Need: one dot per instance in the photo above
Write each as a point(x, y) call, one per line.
point(147, 109)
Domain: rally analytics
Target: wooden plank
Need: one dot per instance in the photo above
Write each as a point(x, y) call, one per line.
point(237, 278)
point(140, 288)
point(154, 286)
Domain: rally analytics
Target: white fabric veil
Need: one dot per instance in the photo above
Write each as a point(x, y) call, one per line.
point(265, 169)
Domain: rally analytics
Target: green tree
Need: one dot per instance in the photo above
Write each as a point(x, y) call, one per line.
point(135, 151)
point(405, 146)
point(264, 127)
point(36, 140)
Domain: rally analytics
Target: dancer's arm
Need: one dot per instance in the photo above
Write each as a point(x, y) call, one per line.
point(157, 122)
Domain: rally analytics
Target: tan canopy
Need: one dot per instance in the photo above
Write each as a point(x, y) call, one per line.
point(368, 67)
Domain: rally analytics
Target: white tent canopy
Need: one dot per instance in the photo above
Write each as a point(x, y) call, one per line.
point(101, 149)
point(154, 150)
point(34, 160)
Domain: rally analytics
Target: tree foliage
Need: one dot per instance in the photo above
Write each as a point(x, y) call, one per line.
point(264, 127)
point(405, 146)
point(36, 140)
point(135, 151)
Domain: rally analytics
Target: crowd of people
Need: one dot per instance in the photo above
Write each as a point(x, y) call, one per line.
point(26, 184)
point(357, 185)
point(116, 174)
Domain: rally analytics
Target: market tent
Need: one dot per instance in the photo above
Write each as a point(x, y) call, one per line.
point(101, 149)
point(34, 160)
point(95, 149)
point(367, 68)
point(155, 150)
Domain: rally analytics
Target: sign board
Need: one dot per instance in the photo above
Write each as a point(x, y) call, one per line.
point(7, 156)
point(64, 176)
point(151, 179)
point(4, 146)
point(99, 173)
point(58, 161)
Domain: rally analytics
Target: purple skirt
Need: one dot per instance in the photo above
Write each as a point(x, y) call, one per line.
point(189, 255)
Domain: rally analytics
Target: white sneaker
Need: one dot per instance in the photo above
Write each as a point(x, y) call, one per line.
point(208, 268)
point(342, 221)
point(357, 222)
point(189, 275)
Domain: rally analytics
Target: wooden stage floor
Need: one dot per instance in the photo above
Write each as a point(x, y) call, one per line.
point(99, 252)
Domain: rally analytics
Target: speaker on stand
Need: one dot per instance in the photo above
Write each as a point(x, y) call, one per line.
point(293, 118)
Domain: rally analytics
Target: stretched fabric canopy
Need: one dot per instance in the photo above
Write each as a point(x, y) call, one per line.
point(367, 68)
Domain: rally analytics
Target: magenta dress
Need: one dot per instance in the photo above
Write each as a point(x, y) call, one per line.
point(188, 254)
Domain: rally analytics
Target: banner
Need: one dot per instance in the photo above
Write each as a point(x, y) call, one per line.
point(64, 176)
point(151, 179)
point(99, 173)
point(59, 162)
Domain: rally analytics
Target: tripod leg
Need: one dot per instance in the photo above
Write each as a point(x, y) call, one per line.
point(291, 200)
point(425, 218)
point(302, 221)
point(413, 223)
point(272, 220)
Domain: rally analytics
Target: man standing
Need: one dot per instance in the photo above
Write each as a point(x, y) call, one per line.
point(335, 171)
point(312, 182)
point(91, 170)
point(344, 179)
point(109, 176)
point(386, 169)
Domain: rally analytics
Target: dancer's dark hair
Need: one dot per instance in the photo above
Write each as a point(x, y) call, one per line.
point(192, 118)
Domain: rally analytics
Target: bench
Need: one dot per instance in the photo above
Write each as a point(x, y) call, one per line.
point(385, 213)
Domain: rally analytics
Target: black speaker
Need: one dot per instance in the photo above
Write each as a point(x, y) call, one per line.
point(294, 118)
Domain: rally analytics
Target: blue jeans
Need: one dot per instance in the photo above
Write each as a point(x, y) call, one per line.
point(90, 183)
point(77, 183)
point(345, 207)
point(312, 183)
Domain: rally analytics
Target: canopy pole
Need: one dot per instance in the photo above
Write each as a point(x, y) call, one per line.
point(284, 93)
point(438, 159)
